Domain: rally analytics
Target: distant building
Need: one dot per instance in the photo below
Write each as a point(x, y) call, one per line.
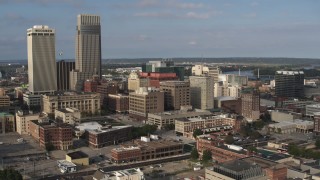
point(118, 103)
point(289, 84)
point(68, 115)
point(201, 88)
point(144, 101)
point(168, 117)
point(154, 78)
point(63, 74)
point(201, 70)
point(41, 60)
point(311, 109)
point(317, 123)
point(104, 89)
point(109, 135)
point(250, 104)
point(32, 99)
point(176, 94)
point(164, 66)
point(7, 123)
point(85, 102)
point(135, 82)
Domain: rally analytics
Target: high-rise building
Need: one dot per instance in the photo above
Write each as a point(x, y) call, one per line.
point(176, 94)
point(145, 101)
point(289, 83)
point(88, 50)
point(63, 74)
point(201, 88)
point(250, 104)
point(41, 60)
point(212, 71)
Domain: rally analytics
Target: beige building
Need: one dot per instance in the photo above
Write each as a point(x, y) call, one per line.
point(144, 101)
point(201, 70)
point(85, 102)
point(176, 94)
point(135, 82)
point(68, 115)
point(169, 117)
point(209, 123)
point(41, 60)
point(4, 101)
point(201, 88)
point(22, 121)
point(88, 55)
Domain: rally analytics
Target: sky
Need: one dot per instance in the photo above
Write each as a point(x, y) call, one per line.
point(170, 28)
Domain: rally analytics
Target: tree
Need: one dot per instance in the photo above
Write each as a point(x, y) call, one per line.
point(252, 149)
point(229, 139)
point(169, 127)
point(197, 132)
point(255, 135)
point(194, 154)
point(49, 147)
point(10, 174)
point(207, 156)
point(317, 143)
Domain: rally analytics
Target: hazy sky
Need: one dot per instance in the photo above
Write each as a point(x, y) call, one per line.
point(171, 28)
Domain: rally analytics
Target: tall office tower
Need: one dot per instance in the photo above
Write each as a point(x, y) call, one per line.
point(250, 104)
point(176, 94)
point(289, 83)
point(212, 71)
point(88, 50)
point(201, 89)
point(41, 60)
point(63, 74)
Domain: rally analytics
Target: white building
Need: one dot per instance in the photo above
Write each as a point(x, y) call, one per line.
point(68, 115)
point(41, 59)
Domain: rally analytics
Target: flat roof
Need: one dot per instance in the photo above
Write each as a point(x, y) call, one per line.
point(77, 155)
point(237, 165)
point(103, 130)
point(66, 163)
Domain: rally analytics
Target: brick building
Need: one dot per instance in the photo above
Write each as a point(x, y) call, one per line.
point(57, 135)
point(176, 94)
point(7, 123)
point(140, 150)
point(104, 89)
point(108, 136)
point(154, 78)
point(118, 103)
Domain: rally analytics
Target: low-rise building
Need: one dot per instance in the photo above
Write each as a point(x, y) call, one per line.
point(4, 101)
point(209, 123)
point(66, 166)
point(311, 109)
point(109, 135)
point(220, 151)
point(22, 120)
point(169, 117)
point(141, 150)
point(78, 158)
point(68, 115)
point(279, 116)
point(287, 127)
point(51, 135)
point(85, 102)
point(236, 169)
point(127, 174)
point(7, 123)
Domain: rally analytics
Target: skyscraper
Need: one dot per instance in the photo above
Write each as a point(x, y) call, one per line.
point(201, 92)
point(289, 83)
point(88, 50)
point(41, 59)
point(63, 74)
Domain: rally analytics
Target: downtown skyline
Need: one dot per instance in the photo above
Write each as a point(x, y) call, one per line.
point(170, 28)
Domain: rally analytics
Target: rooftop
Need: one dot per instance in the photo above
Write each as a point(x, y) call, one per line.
point(66, 163)
point(107, 129)
point(237, 165)
point(171, 113)
point(77, 155)
point(289, 72)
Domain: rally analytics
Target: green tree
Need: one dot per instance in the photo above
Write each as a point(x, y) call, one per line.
point(207, 156)
point(194, 154)
point(10, 174)
point(317, 143)
point(229, 139)
point(197, 132)
point(252, 149)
